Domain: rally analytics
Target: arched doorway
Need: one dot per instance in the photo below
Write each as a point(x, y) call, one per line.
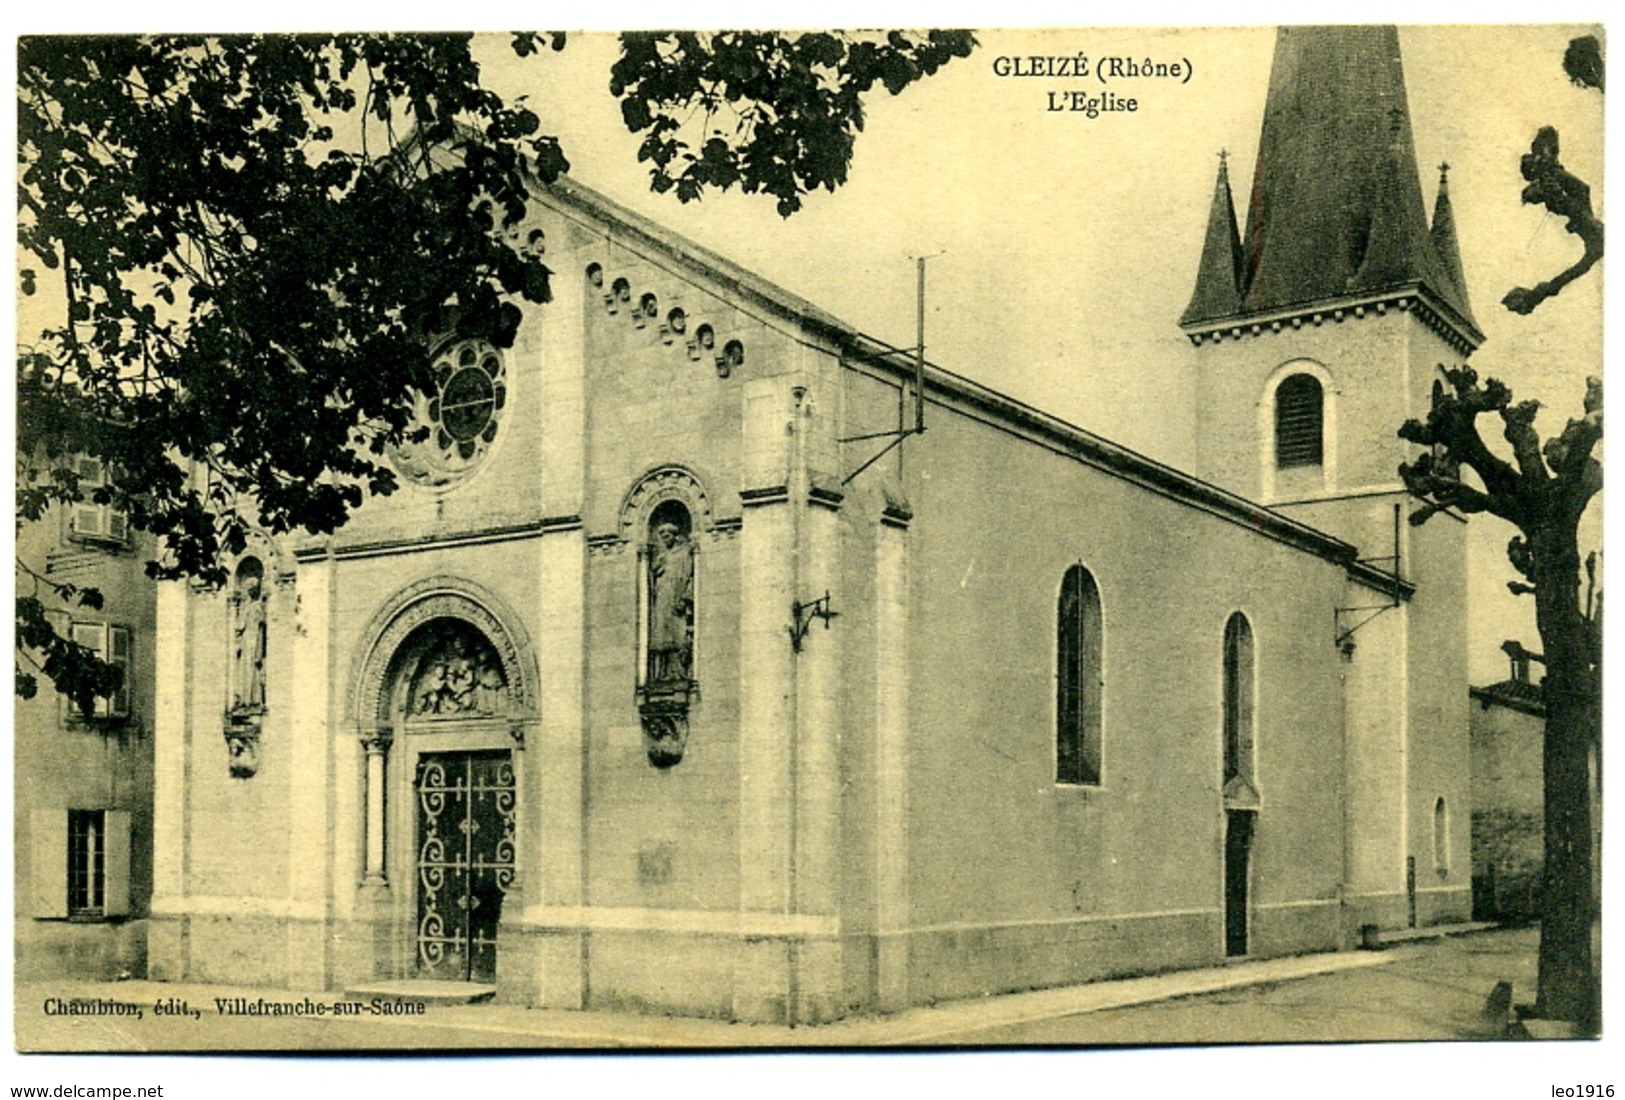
point(448, 702)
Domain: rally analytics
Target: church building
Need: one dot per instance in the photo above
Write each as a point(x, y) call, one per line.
point(649, 690)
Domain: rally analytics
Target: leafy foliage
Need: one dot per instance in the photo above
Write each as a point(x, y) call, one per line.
point(796, 102)
point(254, 238)
point(1583, 63)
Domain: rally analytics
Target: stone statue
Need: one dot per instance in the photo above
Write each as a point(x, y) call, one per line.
point(250, 656)
point(671, 605)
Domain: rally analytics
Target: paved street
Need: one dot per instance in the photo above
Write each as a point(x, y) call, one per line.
point(1430, 989)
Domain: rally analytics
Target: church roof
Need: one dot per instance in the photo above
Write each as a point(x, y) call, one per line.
point(1335, 212)
point(1518, 695)
point(950, 388)
point(1218, 279)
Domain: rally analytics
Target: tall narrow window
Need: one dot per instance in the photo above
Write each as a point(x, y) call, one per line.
point(1441, 838)
point(1299, 416)
point(87, 863)
point(1238, 699)
point(1077, 680)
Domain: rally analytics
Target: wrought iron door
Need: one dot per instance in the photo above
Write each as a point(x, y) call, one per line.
point(465, 863)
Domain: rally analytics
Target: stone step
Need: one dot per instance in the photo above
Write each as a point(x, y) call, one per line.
point(423, 991)
point(1435, 931)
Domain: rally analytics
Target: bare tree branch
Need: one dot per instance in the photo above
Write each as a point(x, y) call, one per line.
point(1566, 195)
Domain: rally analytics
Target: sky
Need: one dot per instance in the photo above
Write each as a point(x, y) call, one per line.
point(1064, 248)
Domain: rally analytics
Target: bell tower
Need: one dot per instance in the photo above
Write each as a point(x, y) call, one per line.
point(1317, 332)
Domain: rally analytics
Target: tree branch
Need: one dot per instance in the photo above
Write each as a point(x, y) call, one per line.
point(1566, 195)
point(1440, 493)
point(1518, 428)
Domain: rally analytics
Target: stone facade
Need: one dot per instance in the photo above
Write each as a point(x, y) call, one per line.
point(818, 772)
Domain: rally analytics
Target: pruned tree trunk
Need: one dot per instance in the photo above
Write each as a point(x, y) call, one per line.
point(1567, 987)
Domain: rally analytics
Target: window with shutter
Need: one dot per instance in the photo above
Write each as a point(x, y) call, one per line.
point(79, 864)
point(111, 644)
point(1299, 425)
point(89, 520)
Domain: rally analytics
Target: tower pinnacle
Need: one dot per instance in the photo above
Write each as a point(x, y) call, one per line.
point(1335, 211)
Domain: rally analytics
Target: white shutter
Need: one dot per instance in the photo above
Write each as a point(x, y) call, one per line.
point(93, 636)
point(116, 863)
point(48, 863)
point(118, 653)
point(89, 519)
point(64, 628)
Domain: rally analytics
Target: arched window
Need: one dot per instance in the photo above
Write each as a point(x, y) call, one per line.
point(1077, 680)
point(1238, 698)
point(1299, 417)
point(1441, 837)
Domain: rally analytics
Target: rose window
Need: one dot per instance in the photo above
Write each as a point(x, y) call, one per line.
point(461, 414)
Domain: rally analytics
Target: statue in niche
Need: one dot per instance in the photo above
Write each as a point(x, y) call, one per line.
point(671, 604)
point(250, 636)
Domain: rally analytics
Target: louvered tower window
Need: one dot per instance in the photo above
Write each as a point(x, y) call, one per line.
point(1298, 422)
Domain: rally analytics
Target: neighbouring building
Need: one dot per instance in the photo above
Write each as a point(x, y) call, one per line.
point(1508, 730)
point(82, 801)
point(650, 691)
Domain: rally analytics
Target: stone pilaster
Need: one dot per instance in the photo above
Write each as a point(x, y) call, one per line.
point(766, 696)
point(1375, 763)
point(318, 796)
point(172, 734)
point(891, 758)
point(550, 968)
point(815, 885)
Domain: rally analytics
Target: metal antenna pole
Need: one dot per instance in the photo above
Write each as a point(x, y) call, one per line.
point(919, 348)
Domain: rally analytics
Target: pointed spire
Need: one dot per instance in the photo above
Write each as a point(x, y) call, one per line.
point(1444, 243)
point(1336, 204)
point(1218, 290)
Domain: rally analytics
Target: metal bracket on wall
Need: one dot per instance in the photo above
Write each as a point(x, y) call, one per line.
point(805, 613)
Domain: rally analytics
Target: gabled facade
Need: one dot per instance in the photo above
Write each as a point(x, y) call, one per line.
point(650, 690)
